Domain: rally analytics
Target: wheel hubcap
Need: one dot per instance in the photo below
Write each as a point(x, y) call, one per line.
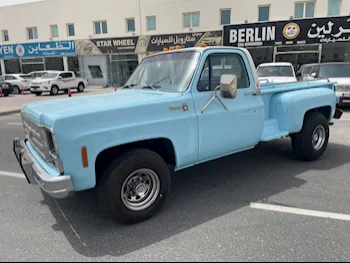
point(319, 138)
point(140, 190)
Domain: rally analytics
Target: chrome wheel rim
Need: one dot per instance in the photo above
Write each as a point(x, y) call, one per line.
point(81, 88)
point(55, 91)
point(16, 90)
point(318, 138)
point(140, 190)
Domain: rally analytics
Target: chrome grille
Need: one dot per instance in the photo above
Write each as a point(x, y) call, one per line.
point(342, 88)
point(34, 134)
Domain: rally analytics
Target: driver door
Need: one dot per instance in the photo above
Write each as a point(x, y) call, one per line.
point(239, 127)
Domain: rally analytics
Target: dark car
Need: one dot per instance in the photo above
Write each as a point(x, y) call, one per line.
point(5, 88)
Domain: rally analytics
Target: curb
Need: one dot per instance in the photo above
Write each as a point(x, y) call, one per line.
point(5, 113)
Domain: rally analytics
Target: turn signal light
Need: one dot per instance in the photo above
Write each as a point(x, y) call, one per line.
point(84, 157)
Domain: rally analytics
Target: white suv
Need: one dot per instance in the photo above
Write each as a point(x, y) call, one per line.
point(19, 82)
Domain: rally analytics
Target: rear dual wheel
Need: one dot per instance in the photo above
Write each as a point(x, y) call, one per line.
point(311, 142)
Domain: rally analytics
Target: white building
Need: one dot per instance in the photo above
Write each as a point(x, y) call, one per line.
point(109, 37)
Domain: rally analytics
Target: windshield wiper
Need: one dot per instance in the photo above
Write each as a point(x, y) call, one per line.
point(130, 86)
point(149, 87)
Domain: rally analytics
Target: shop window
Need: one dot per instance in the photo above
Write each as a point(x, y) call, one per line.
point(334, 7)
point(304, 10)
point(262, 55)
point(336, 52)
point(151, 23)
point(191, 20)
point(32, 33)
point(95, 72)
point(70, 30)
point(225, 17)
point(54, 63)
point(100, 27)
point(54, 31)
point(264, 13)
point(5, 36)
point(12, 66)
point(130, 25)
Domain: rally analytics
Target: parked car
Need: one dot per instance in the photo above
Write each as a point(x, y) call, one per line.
point(336, 72)
point(19, 82)
point(126, 143)
point(6, 88)
point(37, 74)
point(276, 72)
point(304, 71)
point(56, 81)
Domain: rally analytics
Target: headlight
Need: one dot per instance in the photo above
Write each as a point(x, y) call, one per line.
point(52, 144)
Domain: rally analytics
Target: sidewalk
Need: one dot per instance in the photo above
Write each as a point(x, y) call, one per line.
point(9, 110)
point(13, 103)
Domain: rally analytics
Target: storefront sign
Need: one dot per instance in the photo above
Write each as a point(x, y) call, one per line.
point(185, 40)
point(106, 46)
point(42, 49)
point(305, 31)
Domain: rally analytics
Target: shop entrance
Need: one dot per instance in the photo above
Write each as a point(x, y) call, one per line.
point(122, 66)
point(298, 55)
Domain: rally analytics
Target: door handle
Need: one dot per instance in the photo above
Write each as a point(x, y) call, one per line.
point(255, 93)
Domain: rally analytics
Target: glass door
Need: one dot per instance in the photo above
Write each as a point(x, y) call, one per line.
point(298, 55)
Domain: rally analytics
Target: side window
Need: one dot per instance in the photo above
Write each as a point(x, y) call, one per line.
point(10, 78)
point(221, 64)
point(68, 75)
point(62, 75)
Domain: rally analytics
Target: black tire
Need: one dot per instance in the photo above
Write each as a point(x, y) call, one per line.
point(117, 173)
point(81, 87)
point(54, 90)
point(6, 95)
point(38, 93)
point(302, 142)
point(16, 90)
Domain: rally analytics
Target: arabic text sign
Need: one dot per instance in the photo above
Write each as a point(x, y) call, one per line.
point(157, 43)
point(42, 49)
point(305, 31)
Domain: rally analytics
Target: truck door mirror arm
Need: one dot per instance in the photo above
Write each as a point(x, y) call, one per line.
point(228, 90)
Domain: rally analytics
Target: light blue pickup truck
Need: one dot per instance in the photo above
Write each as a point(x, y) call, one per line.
point(179, 108)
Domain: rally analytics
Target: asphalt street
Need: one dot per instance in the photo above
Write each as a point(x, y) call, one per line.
point(209, 216)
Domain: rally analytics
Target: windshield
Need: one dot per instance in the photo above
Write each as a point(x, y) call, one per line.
point(25, 76)
point(169, 72)
point(276, 71)
point(335, 71)
point(49, 76)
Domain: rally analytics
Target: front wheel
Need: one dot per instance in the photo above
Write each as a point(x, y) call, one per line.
point(16, 90)
point(81, 87)
point(134, 186)
point(54, 90)
point(311, 142)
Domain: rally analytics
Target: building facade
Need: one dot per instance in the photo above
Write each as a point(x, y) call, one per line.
point(105, 40)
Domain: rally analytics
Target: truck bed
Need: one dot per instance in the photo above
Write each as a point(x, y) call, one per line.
point(281, 109)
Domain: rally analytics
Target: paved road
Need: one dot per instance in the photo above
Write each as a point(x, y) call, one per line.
point(207, 217)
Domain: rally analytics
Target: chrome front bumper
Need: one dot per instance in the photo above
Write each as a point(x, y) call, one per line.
point(57, 187)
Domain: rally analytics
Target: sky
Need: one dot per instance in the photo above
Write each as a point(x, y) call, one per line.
point(14, 2)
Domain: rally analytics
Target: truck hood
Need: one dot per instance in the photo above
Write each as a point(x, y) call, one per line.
point(39, 81)
point(277, 79)
point(341, 81)
point(47, 112)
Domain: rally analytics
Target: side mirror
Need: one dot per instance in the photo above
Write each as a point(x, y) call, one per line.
point(313, 75)
point(228, 86)
point(60, 77)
